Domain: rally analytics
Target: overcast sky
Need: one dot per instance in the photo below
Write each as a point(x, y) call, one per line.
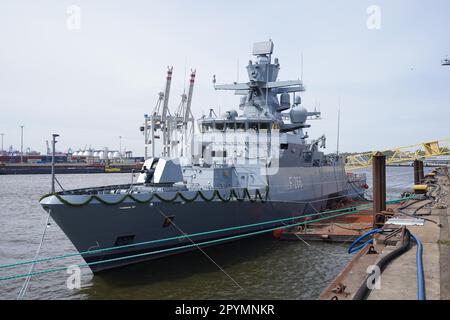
point(94, 84)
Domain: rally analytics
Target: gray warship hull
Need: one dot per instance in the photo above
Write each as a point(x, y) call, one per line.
point(140, 227)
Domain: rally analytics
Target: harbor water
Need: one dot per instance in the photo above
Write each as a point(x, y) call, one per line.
point(260, 267)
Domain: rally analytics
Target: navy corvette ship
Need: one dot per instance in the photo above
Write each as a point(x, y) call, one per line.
point(240, 174)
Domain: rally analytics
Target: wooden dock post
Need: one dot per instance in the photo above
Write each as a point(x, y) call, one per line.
point(416, 166)
point(421, 174)
point(379, 185)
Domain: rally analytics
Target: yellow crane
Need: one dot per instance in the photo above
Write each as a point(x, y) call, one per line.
point(401, 154)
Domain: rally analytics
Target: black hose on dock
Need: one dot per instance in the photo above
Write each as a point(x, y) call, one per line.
point(364, 290)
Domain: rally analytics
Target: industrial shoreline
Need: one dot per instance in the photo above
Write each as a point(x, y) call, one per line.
point(83, 161)
point(67, 168)
point(116, 167)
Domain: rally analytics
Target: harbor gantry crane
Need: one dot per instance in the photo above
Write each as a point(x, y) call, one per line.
point(165, 118)
point(185, 121)
point(171, 128)
point(159, 121)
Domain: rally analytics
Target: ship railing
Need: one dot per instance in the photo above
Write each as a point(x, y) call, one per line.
point(99, 190)
point(140, 187)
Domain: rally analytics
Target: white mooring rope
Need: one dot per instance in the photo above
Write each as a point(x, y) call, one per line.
point(24, 288)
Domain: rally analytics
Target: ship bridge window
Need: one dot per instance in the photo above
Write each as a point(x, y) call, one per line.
point(264, 126)
point(230, 125)
point(220, 126)
point(207, 127)
point(219, 153)
point(253, 126)
point(284, 146)
point(240, 125)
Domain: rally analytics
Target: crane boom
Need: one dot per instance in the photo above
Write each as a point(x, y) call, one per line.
point(165, 110)
point(189, 99)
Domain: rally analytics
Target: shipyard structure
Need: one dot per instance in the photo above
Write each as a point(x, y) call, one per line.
point(85, 160)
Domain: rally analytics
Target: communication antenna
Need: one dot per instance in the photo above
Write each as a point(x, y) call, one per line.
point(237, 71)
point(301, 74)
point(301, 66)
point(185, 63)
point(267, 75)
point(338, 127)
point(267, 81)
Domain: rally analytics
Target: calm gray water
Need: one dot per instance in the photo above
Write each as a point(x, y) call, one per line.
point(265, 268)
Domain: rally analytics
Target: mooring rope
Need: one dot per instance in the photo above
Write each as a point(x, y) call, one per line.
point(24, 288)
point(45, 271)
